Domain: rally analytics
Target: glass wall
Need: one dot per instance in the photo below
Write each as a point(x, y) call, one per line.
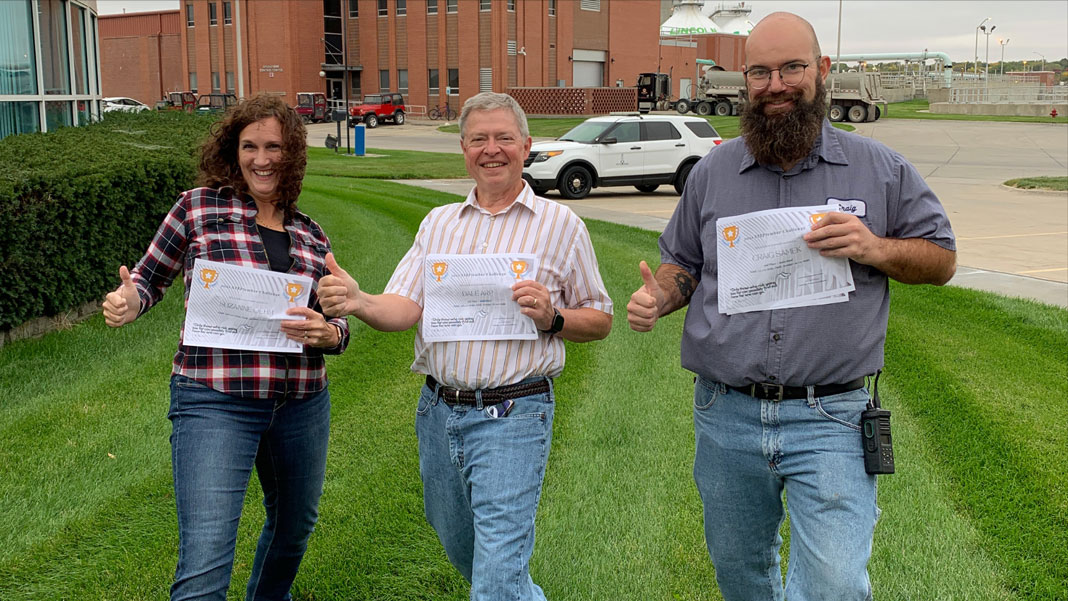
point(49, 71)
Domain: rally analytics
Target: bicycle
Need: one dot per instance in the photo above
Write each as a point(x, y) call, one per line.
point(439, 112)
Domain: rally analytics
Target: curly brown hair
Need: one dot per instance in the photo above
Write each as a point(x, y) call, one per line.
point(218, 154)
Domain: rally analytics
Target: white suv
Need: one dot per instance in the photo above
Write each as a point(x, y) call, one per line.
point(643, 151)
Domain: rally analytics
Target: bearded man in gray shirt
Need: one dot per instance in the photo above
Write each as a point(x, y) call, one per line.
point(779, 392)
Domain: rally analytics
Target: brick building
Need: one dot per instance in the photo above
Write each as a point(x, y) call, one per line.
point(422, 48)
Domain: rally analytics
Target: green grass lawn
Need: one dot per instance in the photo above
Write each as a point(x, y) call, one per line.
point(1057, 183)
point(976, 511)
point(920, 107)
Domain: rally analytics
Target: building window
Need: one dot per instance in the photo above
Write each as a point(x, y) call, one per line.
point(484, 6)
point(188, 15)
point(432, 81)
point(81, 50)
point(511, 6)
point(213, 14)
point(383, 9)
point(54, 57)
point(431, 7)
point(354, 9)
point(193, 81)
point(402, 7)
point(402, 81)
point(19, 75)
point(383, 80)
point(332, 28)
point(230, 81)
point(594, 5)
point(552, 8)
point(18, 118)
point(450, 6)
point(228, 16)
point(58, 114)
point(454, 82)
point(215, 81)
point(485, 80)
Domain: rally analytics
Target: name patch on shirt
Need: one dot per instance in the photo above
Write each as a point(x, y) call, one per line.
point(853, 206)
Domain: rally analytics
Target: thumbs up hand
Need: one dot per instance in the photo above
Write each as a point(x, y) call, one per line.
point(122, 306)
point(339, 294)
point(644, 307)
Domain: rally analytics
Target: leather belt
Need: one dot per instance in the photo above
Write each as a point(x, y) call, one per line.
point(775, 392)
point(490, 396)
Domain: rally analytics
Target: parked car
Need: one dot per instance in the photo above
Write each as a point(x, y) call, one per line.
point(178, 101)
point(644, 151)
point(311, 106)
point(376, 107)
point(124, 104)
point(215, 103)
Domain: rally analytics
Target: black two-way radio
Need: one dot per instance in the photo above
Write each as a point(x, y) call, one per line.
point(875, 434)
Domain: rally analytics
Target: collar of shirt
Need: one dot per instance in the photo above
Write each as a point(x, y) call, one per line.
point(827, 147)
point(525, 198)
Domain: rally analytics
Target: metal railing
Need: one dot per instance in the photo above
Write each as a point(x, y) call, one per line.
point(1000, 94)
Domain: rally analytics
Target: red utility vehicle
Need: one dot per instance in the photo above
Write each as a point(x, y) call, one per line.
point(311, 106)
point(178, 101)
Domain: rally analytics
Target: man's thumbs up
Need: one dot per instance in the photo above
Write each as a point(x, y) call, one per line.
point(122, 306)
point(644, 307)
point(339, 294)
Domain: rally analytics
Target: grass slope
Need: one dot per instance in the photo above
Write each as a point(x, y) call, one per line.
point(976, 511)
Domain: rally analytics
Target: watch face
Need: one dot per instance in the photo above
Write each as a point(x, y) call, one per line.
point(558, 323)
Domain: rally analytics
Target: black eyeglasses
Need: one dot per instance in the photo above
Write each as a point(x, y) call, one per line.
point(791, 74)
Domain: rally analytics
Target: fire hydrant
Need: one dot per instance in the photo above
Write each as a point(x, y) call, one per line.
point(1053, 113)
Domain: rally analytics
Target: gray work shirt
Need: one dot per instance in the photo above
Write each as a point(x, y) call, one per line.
point(825, 344)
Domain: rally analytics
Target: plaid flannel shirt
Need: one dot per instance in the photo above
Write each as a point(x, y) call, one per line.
point(221, 226)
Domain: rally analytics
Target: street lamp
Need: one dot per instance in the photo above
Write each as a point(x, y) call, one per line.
point(1043, 59)
point(1003, 43)
point(976, 69)
point(987, 32)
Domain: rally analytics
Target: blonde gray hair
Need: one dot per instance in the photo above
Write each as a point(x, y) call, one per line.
point(491, 101)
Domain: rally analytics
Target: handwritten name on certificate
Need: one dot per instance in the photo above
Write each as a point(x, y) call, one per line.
point(469, 297)
point(241, 307)
point(765, 264)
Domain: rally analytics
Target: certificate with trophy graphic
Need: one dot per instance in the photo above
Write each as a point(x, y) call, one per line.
point(469, 297)
point(765, 264)
point(241, 307)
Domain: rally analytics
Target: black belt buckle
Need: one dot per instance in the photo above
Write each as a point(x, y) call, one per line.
point(771, 392)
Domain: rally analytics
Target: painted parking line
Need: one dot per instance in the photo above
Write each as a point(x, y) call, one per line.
point(1014, 236)
point(1042, 270)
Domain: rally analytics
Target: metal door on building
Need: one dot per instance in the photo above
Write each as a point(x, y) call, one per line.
point(588, 68)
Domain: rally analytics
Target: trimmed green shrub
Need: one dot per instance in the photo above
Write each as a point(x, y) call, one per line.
point(78, 202)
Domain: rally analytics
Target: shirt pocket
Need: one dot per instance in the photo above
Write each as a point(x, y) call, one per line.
point(309, 254)
point(220, 237)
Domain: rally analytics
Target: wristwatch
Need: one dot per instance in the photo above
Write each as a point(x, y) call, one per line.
point(558, 323)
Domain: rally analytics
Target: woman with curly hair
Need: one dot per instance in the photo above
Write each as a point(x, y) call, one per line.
point(231, 409)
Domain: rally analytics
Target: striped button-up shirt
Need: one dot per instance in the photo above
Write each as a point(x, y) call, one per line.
point(219, 226)
point(567, 267)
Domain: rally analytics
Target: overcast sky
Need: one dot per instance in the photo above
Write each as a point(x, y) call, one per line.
point(882, 26)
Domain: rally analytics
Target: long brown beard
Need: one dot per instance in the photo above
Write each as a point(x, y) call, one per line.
point(786, 138)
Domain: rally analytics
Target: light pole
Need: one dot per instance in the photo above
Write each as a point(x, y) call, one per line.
point(987, 32)
point(1043, 59)
point(1003, 43)
point(976, 68)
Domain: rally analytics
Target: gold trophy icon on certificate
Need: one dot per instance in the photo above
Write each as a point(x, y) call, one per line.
point(730, 234)
point(293, 290)
point(439, 268)
point(519, 268)
point(208, 276)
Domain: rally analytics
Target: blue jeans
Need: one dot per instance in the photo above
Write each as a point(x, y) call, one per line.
point(481, 484)
point(748, 452)
point(215, 440)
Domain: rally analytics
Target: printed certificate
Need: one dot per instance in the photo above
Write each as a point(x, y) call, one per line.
point(765, 264)
point(469, 297)
point(241, 307)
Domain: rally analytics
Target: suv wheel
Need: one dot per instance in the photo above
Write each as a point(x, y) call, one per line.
point(398, 118)
point(576, 182)
point(680, 179)
point(371, 121)
point(647, 188)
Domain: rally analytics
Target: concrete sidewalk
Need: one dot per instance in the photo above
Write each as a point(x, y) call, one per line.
point(641, 213)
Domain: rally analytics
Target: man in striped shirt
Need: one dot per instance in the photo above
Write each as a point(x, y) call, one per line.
point(484, 418)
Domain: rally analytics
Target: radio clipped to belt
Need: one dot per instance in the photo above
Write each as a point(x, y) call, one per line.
point(875, 434)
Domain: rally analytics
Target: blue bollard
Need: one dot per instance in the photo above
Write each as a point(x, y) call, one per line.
point(359, 140)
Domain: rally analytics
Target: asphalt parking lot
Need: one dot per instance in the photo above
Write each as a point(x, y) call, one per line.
point(1009, 241)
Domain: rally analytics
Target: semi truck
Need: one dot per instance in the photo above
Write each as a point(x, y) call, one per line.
point(852, 96)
